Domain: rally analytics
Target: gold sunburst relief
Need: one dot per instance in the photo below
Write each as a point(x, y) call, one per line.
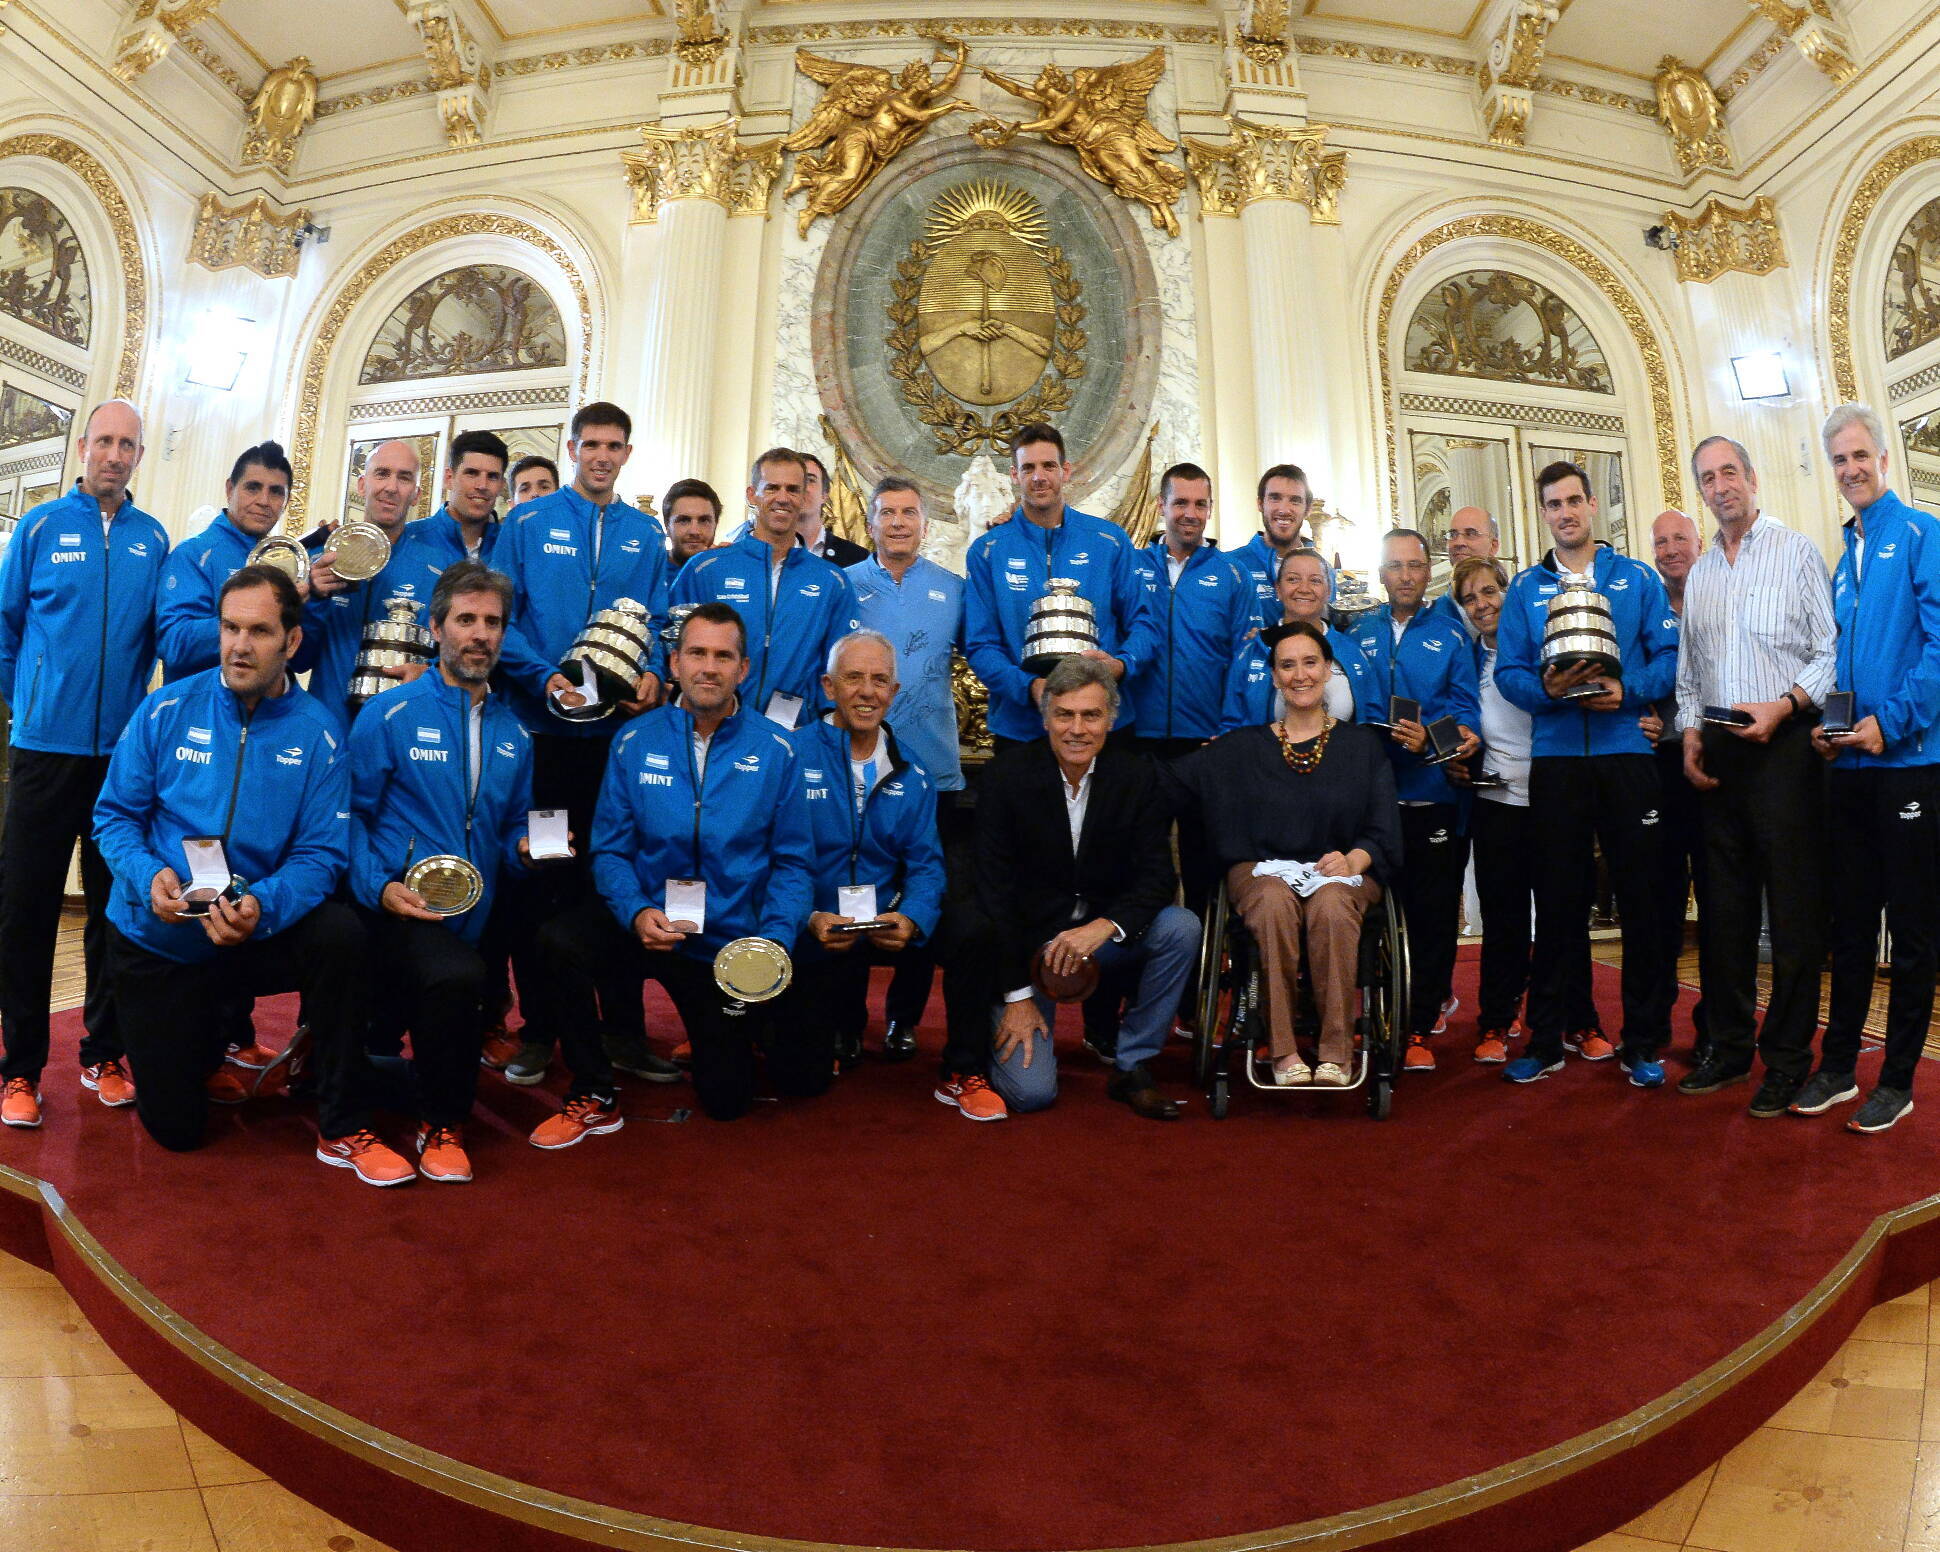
point(985, 202)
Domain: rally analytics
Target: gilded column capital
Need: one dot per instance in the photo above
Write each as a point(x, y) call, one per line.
point(1721, 239)
point(252, 236)
point(700, 38)
point(460, 73)
point(709, 162)
point(1689, 109)
point(151, 30)
point(1266, 161)
point(1811, 32)
point(1508, 75)
point(1263, 31)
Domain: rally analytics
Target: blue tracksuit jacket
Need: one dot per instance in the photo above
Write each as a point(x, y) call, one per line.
point(1250, 698)
point(741, 828)
point(187, 634)
point(415, 791)
point(1261, 563)
point(274, 783)
point(77, 622)
point(567, 560)
point(1009, 569)
point(1202, 626)
point(437, 542)
point(890, 841)
point(1888, 613)
point(789, 637)
point(1646, 634)
point(1433, 664)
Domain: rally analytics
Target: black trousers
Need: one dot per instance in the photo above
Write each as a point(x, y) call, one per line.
point(1764, 841)
point(50, 805)
point(1885, 847)
point(1686, 874)
point(915, 972)
point(1505, 879)
point(722, 1031)
point(1575, 803)
point(1434, 856)
point(566, 773)
point(1197, 871)
point(176, 1038)
point(434, 983)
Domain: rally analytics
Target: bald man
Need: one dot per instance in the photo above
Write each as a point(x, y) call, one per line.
point(1674, 546)
point(77, 643)
point(1471, 531)
point(334, 621)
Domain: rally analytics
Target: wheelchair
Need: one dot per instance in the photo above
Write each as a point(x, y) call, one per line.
point(1232, 1012)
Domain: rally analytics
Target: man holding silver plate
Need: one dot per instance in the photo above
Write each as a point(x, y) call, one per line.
point(702, 854)
point(441, 784)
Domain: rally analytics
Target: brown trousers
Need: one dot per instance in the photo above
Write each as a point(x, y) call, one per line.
point(1331, 920)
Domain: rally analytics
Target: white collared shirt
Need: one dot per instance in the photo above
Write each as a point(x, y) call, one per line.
point(1754, 627)
point(1076, 800)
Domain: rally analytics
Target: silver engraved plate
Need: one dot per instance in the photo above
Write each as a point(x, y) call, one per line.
point(447, 884)
point(753, 970)
point(396, 641)
point(283, 554)
point(1580, 628)
point(616, 644)
point(362, 550)
point(1062, 624)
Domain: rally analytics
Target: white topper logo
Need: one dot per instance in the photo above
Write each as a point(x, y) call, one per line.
point(507, 750)
point(1911, 811)
point(1432, 646)
point(749, 762)
point(1618, 584)
point(290, 756)
point(812, 590)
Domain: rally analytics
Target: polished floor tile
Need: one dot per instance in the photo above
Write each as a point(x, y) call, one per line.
point(262, 1517)
point(172, 1521)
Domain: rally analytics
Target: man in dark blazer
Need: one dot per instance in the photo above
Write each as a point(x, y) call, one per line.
point(1073, 856)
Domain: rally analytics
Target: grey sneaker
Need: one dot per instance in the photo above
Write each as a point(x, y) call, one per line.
point(529, 1066)
point(1822, 1091)
point(1883, 1107)
point(633, 1058)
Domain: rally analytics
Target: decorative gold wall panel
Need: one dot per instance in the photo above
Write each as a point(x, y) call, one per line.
point(1506, 328)
point(43, 276)
point(26, 418)
point(134, 274)
point(325, 335)
point(1845, 250)
point(1515, 228)
point(1911, 312)
point(481, 318)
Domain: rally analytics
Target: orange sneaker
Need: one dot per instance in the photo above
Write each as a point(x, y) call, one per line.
point(441, 1154)
point(375, 1164)
point(226, 1086)
point(109, 1079)
point(20, 1103)
point(1493, 1045)
point(585, 1116)
point(1594, 1048)
point(974, 1097)
point(684, 1054)
point(499, 1048)
point(1418, 1057)
point(255, 1056)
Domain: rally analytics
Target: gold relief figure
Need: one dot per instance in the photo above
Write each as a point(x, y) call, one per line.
point(1913, 288)
point(1689, 109)
point(1101, 114)
point(865, 118)
point(286, 102)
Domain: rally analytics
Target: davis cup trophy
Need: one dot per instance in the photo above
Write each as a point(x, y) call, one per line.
point(613, 650)
point(1062, 625)
point(396, 641)
point(1581, 629)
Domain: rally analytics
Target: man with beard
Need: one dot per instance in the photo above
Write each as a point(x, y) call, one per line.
point(692, 513)
point(1284, 500)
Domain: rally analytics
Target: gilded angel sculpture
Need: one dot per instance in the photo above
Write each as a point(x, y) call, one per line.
point(866, 117)
point(1101, 114)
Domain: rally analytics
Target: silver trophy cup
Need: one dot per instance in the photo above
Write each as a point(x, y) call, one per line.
point(396, 641)
point(1580, 629)
point(615, 645)
point(1062, 625)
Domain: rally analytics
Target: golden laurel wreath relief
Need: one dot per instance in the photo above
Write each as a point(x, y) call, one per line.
point(986, 313)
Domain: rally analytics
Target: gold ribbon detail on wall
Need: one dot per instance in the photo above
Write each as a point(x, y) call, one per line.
point(985, 313)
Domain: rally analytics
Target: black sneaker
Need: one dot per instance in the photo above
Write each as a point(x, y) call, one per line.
point(1883, 1107)
point(529, 1066)
point(898, 1042)
point(1775, 1094)
point(1822, 1091)
point(1103, 1046)
point(634, 1059)
point(1711, 1076)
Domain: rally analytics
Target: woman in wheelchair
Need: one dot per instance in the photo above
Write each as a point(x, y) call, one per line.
point(1301, 813)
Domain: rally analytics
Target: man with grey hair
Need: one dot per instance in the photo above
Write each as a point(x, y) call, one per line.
point(918, 606)
point(1885, 790)
point(77, 641)
point(1754, 663)
point(1075, 882)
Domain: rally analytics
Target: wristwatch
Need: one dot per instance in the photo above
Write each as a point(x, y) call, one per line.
point(1797, 709)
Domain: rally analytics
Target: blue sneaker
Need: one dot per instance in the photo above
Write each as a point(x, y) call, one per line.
point(1527, 1069)
point(1644, 1074)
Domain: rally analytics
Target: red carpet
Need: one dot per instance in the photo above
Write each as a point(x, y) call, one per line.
point(865, 1320)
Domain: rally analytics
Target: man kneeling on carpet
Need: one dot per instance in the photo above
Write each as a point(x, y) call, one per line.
point(701, 839)
point(237, 776)
point(1301, 814)
point(1074, 857)
point(441, 768)
point(878, 857)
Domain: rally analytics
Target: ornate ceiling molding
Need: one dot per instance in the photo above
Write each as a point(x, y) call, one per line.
point(328, 332)
point(1690, 112)
point(1568, 250)
point(1508, 77)
point(1268, 162)
point(1521, 414)
point(250, 236)
point(460, 73)
point(1722, 239)
point(134, 273)
point(983, 27)
point(150, 32)
point(1264, 31)
point(1845, 251)
point(281, 110)
point(1752, 68)
point(1810, 31)
point(706, 163)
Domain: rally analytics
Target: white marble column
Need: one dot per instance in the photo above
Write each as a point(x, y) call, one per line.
point(1289, 399)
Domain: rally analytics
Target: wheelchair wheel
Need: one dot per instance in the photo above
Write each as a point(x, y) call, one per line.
point(1221, 1094)
point(1386, 989)
point(1380, 1097)
point(1212, 985)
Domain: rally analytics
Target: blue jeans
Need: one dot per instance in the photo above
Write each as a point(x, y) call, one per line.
point(1162, 958)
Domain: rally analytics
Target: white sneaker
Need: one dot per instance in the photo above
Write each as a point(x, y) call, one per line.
point(1294, 1075)
point(1441, 1019)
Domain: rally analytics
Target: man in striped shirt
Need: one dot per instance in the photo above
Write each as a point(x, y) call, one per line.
point(1757, 645)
